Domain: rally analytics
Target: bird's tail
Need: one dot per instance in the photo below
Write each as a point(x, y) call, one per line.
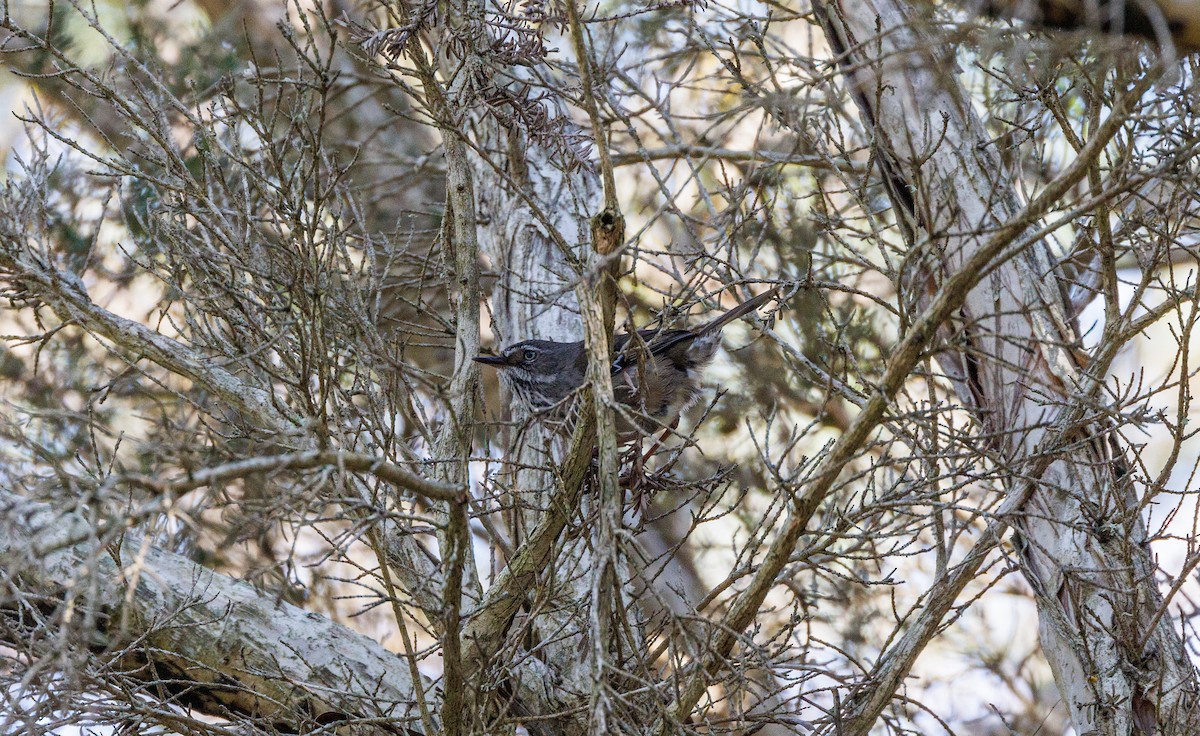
point(740, 310)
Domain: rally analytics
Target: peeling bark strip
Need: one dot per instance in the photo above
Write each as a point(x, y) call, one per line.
point(216, 641)
point(1119, 665)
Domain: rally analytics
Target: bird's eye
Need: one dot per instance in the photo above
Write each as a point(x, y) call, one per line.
point(530, 355)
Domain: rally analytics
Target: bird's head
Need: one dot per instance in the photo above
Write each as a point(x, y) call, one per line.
point(540, 373)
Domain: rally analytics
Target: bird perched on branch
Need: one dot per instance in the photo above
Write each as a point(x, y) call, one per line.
point(656, 373)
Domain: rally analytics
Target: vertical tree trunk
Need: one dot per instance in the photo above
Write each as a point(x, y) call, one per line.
point(1120, 668)
point(529, 219)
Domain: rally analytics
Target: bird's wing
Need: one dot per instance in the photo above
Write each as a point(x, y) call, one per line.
point(660, 342)
point(665, 342)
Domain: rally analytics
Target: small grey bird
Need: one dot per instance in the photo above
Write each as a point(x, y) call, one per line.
point(657, 374)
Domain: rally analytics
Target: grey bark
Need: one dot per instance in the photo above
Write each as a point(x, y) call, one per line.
point(534, 226)
point(235, 648)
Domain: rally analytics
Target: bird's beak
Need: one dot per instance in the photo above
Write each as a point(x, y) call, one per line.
point(496, 360)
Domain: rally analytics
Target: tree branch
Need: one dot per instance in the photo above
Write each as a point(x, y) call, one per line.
point(353, 461)
point(218, 642)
